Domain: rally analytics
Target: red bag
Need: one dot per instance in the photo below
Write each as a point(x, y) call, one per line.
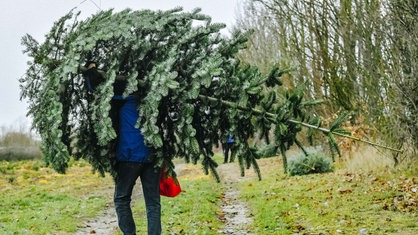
point(168, 186)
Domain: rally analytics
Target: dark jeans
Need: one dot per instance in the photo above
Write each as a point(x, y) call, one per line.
point(226, 147)
point(127, 174)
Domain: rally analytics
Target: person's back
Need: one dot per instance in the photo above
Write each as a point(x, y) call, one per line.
point(131, 146)
point(133, 160)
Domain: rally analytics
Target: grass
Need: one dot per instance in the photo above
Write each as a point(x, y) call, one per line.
point(36, 200)
point(355, 199)
point(334, 203)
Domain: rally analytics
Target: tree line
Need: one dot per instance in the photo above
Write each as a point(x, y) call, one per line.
point(359, 56)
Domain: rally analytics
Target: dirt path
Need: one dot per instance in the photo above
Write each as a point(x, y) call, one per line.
point(236, 214)
point(237, 217)
point(104, 224)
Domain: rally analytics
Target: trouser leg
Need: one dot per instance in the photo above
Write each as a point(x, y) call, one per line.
point(233, 152)
point(225, 150)
point(127, 174)
point(150, 179)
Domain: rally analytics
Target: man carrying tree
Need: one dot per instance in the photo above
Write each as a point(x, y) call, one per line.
point(176, 66)
point(133, 159)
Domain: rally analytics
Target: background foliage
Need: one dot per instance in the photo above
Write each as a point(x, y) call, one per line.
point(359, 56)
point(18, 145)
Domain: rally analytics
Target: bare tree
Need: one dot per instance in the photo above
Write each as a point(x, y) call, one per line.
point(358, 55)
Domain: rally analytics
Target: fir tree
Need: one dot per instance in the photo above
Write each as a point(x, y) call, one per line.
point(194, 91)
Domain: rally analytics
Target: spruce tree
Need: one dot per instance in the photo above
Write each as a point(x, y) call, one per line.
point(194, 90)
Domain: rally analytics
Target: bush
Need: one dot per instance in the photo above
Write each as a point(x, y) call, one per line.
point(19, 153)
point(267, 151)
point(18, 139)
point(314, 162)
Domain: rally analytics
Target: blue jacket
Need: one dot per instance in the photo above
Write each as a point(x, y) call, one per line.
point(230, 139)
point(131, 146)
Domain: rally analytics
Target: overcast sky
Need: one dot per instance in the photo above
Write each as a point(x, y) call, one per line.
point(36, 17)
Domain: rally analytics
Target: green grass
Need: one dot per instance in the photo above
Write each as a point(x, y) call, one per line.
point(333, 203)
point(36, 200)
point(40, 213)
point(195, 211)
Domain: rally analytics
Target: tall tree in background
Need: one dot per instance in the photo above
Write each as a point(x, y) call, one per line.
point(360, 56)
point(401, 57)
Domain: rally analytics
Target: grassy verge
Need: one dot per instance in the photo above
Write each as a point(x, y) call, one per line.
point(36, 200)
point(383, 202)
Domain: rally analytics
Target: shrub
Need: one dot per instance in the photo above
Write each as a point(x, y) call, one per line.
point(18, 139)
point(314, 162)
point(267, 151)
point(19, 153)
